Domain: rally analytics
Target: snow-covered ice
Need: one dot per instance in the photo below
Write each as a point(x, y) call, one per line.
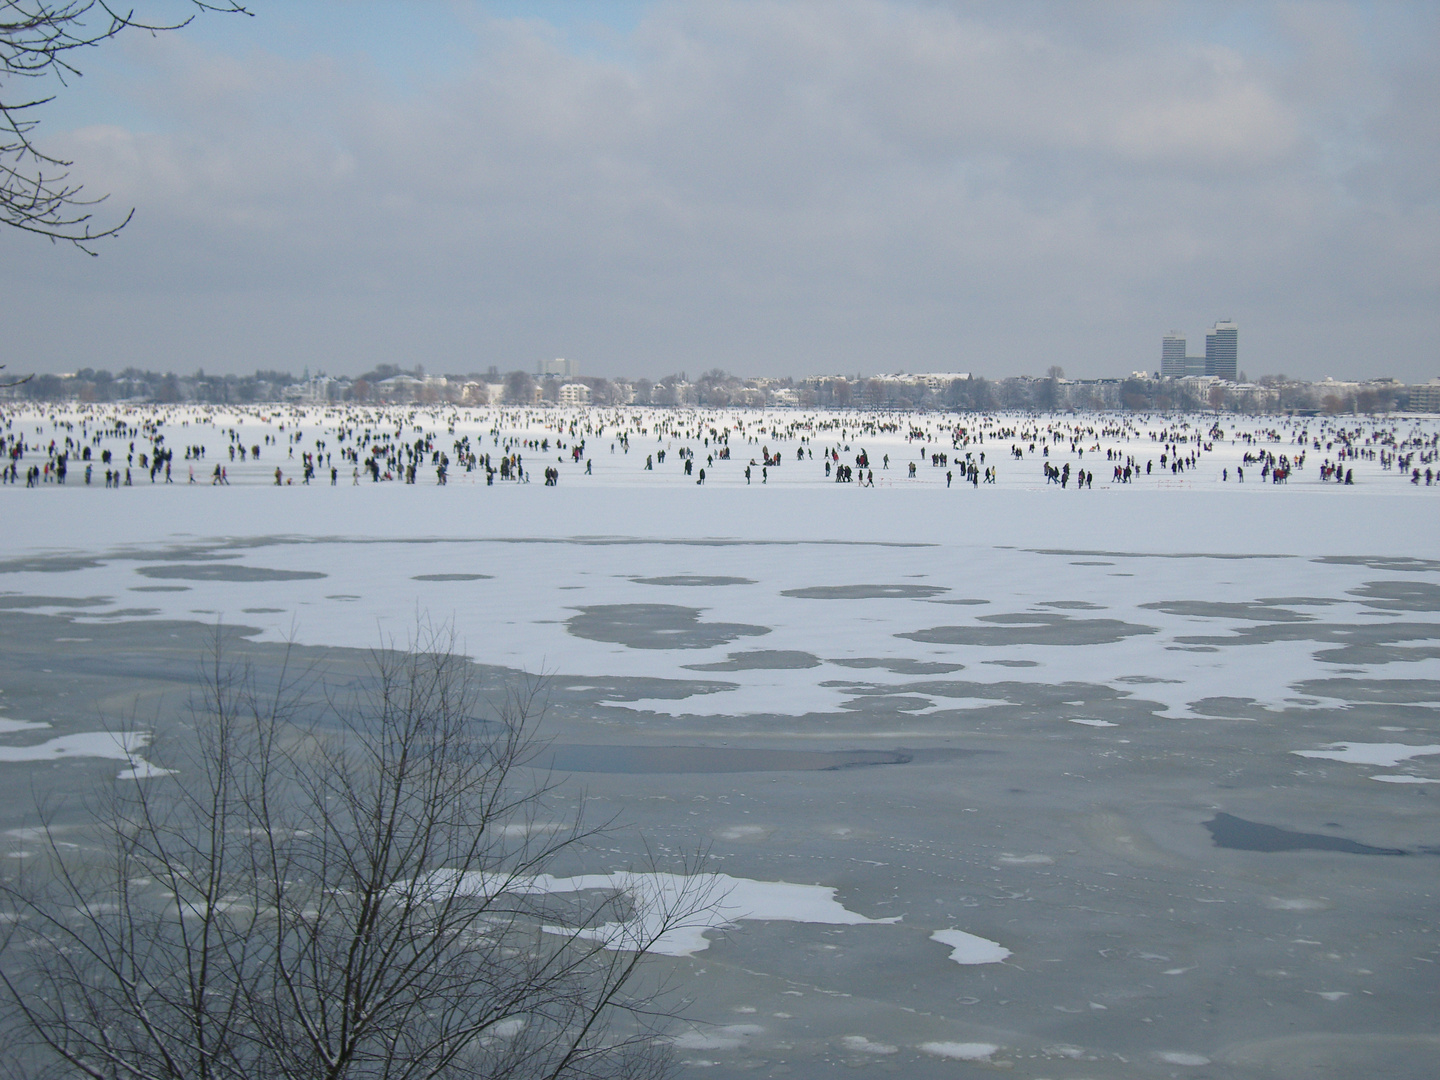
point(711, 902)
point(970, 949)
point(1386, 754)
point(960, 1051)
point(887, 712)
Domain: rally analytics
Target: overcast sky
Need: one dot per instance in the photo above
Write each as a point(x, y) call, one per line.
point(774, 188)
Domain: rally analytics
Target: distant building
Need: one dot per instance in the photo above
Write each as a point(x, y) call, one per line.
point(1172, 356)
point(1425, 398)
point(566, 369)
point(1221, 350)
point(574, 393)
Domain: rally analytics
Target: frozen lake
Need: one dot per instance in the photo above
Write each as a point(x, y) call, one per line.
point(1138, 780)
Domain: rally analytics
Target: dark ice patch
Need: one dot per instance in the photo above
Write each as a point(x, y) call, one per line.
point(1012, 663)
point(49, 564)
point(761, 660)
point(697, 580)
point(1379, 654)
point(452, 577)
point(263, 610)
point(1385, 691)
point(1399, 595)
point(225, 572)
point(184, 554)
point(900, 666)
point(1254, 611)
point(1238, 834)
point(1231, 708)
point(887, 704)
point(656, 626)
point(719, 759)
point(343, 596)
point(1149, 554)
point(1355, 643)
point(866, 592)
point(17, 602)
point(958, 602)
point(159, 588)
point(1031, 628)
point(1014, 701)
point(579, 692)
point(1399, 564)
point(1090, 562)
point(1145, 680)
point(1071, 605)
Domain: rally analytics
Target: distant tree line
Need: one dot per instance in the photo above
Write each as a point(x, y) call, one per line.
point(391, 384)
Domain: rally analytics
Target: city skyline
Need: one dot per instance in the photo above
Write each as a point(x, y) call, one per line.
point(769, 187)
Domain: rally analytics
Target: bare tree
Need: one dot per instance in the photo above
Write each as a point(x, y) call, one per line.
point(360, 896)
point(39, 41)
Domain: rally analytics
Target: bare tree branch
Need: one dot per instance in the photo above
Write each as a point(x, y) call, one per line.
point(39, 39)
point(355, 897)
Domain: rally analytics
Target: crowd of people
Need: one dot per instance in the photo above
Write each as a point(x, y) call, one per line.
point(119, 446)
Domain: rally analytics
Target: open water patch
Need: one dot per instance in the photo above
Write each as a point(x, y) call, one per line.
point(225, 572)
point(656, 626)
point(1237, 834)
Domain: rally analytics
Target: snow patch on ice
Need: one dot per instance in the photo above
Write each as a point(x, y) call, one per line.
point(1279, 903)
point(861, 1045)
point(1178, 1058)
point(729, 1037)
point(1387, 755)
point(960, 1051)
point(1401, 778)
point(1025, 860)
point(709, 902)
point(8, 726)
point(115, 745)
point(1089, 722)
point(970, 949)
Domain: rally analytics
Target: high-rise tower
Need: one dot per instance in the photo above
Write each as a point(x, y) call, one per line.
point(1221, 350)
point(1172, 356)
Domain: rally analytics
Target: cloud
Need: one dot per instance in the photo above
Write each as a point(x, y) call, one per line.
point(783, 187)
